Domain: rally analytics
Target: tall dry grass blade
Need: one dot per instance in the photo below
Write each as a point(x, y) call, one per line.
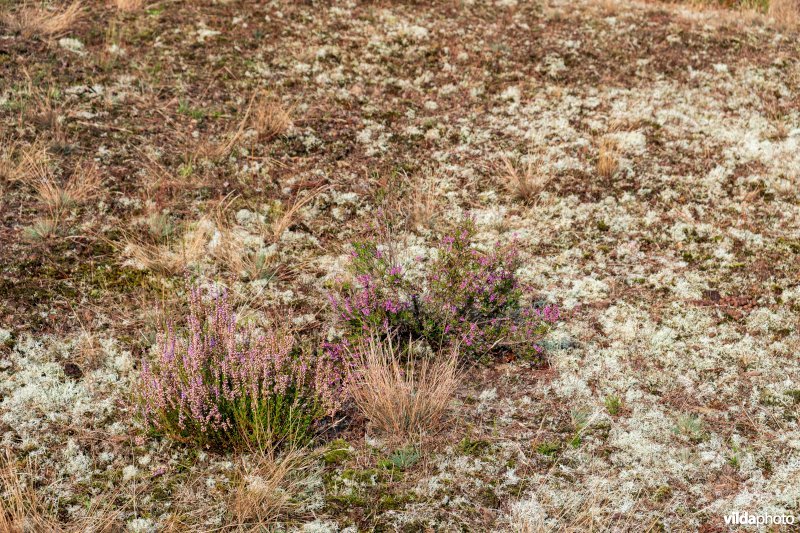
point(785, 13)
point(129, 6)
point(282, 223)
point(22, 509)
point(269, 118)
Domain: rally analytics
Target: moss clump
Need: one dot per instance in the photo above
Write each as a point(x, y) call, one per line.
point(475, 448)
point(548, 449)
point(390, 502)
point(338, 452)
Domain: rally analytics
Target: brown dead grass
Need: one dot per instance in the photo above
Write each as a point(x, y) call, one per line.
point(42, 22)
point(129, 6)
point(421, 205)
point(263, 115)
point(281, 222)
point(22, 509)
point(172, 257)
point(400, 393)
point(269, 118)
point(44, 113)
point(607, 158)
point(525, 181)
point(233, 252)
point(267, 486)
point(35, 168)
point(785, 13)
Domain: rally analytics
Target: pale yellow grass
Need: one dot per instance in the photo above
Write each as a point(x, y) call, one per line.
point(285, 217)
point(172, 257)
point(421, 205)
point(266, 488)
point(403, 394)
point(269, 118)
point(785, 13)
point(607, 158)
point(129, 5)
point(236, 255)
point(34, 168)
point(263, 115)
point(40, 21)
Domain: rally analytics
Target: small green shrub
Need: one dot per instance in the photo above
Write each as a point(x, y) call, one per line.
point(401, 459)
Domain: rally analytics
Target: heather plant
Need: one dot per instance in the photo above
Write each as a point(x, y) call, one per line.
point(467, 298)
point(476, 298)
point(220, 383)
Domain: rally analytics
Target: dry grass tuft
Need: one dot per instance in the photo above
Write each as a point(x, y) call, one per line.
point(269, 118)
point(34, 168)
point(285, 218)
point(43, 22)
point(238, 257)
point(22, 510)
point(33, 164)
point(263, 115)
point(785, 13)
point(267, 488)
point(129, 6)
point(607, 159)
point(83, 185)
point(170, 258)
point(525, 182)
point(421, 205)
point(45, 114)
point(401, 393)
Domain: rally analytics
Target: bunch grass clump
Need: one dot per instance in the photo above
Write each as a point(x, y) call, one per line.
point(467, 298)
point(38, 21)
point(401, 392)
point(219, 383)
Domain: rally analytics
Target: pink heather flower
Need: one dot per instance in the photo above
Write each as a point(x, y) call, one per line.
point(216, 367)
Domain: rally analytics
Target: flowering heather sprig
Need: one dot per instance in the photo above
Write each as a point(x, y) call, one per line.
point(379, 297)
point(469, 298)
point(218, 382)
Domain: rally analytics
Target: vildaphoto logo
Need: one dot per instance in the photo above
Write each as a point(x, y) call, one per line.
point(747, 519)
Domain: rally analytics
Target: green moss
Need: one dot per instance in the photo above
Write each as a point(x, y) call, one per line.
point(475, 448)
point(350, 499)
point(613, 405)
point(662, 493)
point(338, 452)
point(547, 448)
point(389, 502)
point(370, 476)
point(489, 497)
